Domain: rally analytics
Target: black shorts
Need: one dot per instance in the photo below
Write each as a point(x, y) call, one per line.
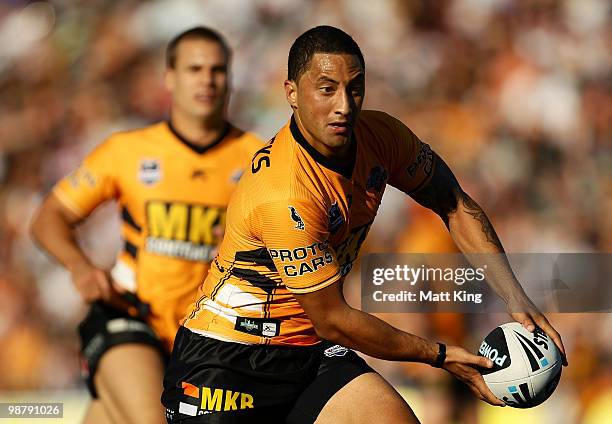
point(105, 327)
point(211, 381)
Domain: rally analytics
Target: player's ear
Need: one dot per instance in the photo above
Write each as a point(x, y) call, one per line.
point(291, 93)
point(169, 79)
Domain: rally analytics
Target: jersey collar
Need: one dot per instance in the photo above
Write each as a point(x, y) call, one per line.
point(194, 147)
point(344, 168)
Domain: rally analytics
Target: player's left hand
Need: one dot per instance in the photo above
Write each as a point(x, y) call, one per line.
point(523, 311)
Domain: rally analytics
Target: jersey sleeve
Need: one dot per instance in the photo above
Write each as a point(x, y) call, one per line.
point(92, 183)
point(296, 235)
point(412, 161)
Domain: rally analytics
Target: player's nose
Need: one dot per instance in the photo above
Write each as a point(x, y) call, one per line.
point(206, 77)
point(344, 103)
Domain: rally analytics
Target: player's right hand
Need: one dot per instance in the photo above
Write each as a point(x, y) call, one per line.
point(462, 364)
point(94, 284)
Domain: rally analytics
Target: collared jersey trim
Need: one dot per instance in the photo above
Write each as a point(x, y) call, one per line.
point(316, 287)
point(196, 148)
point(343, 168)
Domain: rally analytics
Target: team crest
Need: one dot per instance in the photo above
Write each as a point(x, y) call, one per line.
point(377, 179)
point(149, 172)
point(334, 218)
point(295, 216)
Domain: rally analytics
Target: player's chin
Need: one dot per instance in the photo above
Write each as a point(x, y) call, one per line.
point(334, 139)
point(205, 109)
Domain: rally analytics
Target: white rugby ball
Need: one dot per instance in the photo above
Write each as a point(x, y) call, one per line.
point(527, 366)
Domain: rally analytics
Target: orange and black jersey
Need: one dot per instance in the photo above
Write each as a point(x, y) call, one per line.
point(295, 225)
point(172, 197)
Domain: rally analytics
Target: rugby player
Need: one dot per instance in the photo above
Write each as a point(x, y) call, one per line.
point(270, 336)
point(172, 181)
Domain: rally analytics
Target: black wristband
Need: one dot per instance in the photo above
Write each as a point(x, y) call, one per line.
point(441, 356)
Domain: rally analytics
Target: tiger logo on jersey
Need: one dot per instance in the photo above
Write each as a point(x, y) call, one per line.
point(334, 218)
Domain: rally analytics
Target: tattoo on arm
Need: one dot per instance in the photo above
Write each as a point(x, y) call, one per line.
point(442, 195)
point(472, 208)
point(442, 192)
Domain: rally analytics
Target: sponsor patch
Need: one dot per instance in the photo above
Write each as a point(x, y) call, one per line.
point(258, 326)
point(212, 399)
point(269, 329)
point(149, 171)
point(183, 230)
point(303, 260)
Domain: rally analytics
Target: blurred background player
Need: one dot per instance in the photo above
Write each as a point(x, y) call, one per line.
point(173, 181)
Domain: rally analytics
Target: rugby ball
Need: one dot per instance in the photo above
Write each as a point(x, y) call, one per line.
point(526, 366)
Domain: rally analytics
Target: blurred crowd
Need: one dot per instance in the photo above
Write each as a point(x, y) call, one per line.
point(515, 95)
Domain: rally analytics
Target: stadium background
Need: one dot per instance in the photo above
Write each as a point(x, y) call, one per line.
point(516, 95)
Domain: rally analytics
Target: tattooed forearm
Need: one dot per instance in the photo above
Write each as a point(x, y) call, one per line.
point(472, 208)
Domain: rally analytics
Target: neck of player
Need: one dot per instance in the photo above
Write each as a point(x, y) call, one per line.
point(199, 131)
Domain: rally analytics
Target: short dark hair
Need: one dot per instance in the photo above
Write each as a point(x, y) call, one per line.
point(199, 32)
point(320, 39)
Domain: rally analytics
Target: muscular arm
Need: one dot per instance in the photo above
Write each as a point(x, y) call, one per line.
point(473, 233)
point(336, 321)
point(469, 227)
point(53, 229)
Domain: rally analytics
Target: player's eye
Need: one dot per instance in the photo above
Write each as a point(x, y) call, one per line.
point(327, 89)
point(356, 89)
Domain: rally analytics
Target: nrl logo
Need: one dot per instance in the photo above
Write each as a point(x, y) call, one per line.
point(149, 171)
